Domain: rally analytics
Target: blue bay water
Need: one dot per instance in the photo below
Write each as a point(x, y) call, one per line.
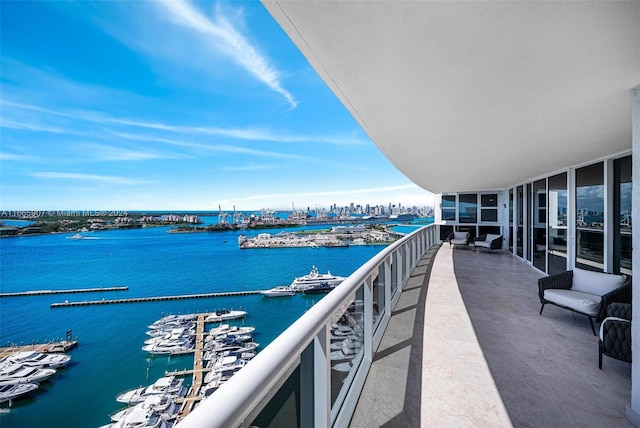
point(150, 262)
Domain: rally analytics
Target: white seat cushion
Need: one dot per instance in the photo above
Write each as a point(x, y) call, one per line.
point(598, 283)
point(460, 236)
point(485, 244)
point(491, 237)
point(577, 300)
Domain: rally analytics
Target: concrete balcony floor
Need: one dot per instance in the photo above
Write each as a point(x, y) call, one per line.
point(466, 347)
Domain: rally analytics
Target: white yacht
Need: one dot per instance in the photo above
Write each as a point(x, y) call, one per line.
point(225, 315)
point(17, 373)
point(173, 320)
point(15, 390)
point(161, 404)
point(166, 347)
point(169, 385)
point(177, 334)
point(279, 291)
point(314, 279)
point(226, 329)
point(40, 359)
point(140, 418)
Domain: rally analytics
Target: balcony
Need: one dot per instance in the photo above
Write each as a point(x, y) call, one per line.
point(466, 347)
point(445, 337)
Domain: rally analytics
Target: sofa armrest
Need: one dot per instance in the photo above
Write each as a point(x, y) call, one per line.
point(619, 295)
point(619, 310)
point(480, 238)
point(615, 339)
point(562, 280)
point(496, 243)
point(449, 238)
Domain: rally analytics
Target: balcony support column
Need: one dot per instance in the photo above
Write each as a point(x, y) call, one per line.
point(633, 411)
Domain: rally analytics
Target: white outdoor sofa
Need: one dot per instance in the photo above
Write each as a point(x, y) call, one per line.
point(489, 241)
point(584, 292)
point(458, 238)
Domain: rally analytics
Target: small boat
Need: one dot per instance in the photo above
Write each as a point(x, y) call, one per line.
point(225, 315)
point(169, 385)
point(226, 329)
point(40, 359)
point(173, 320)
point(15, 390)
point(279, 291)
point(315, 278)
point(76, 236)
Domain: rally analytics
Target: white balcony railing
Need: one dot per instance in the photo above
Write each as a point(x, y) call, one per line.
point(312, 374)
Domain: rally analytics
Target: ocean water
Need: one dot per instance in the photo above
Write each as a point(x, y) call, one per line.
point(150, 262)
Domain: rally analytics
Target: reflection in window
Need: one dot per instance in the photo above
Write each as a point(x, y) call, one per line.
point(520, 209)
point(622, 216)
point(557, 228)
point(347, 338)
point(448, 207)
point(378, 295)
point(489, 207)
point(590, 217)
point(539, 211)
point(468, 208)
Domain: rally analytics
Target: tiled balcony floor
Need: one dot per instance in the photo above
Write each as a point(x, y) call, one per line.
point(466, 347)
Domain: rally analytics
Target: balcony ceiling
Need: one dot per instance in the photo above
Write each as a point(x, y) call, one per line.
point(466, 96)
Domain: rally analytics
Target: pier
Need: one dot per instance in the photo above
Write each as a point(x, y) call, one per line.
point(193, 396)
point(50, 347)
point(154, 299)
point(69, 291)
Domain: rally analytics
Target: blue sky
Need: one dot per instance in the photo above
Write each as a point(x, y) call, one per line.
point(174, 105)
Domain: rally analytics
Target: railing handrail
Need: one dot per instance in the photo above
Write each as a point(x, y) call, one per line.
point(237, 397)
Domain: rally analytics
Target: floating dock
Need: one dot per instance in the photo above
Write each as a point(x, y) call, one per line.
point(154, 299)
point(61, 346)
point(69, 291)
point(193, 396)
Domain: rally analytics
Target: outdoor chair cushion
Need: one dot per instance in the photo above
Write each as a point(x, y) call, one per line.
point(597, 283)
point(585, 303)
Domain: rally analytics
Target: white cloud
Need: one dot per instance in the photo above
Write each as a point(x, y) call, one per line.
point(103, 152)
point(235, 45)
point(107, 179)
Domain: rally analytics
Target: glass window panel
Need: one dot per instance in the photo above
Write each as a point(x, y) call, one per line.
point(520, 216)
point(347, 339)
point(449, 214)
point(468, 208)
point(540, 224)
point(529, 220)
point(622, 216)
point(489, 215)
point(557, 227)
point(490, 200)
point(590, 217)
point(510, 231)
point(378, 295)
point(448, 201)
point(394, 273)
point(283, 409)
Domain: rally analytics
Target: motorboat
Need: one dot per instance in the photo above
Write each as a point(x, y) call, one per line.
point(319, 289)
point(15, 390)
point(161, 404)
point(225, 315)
point(40, 359)
point(279, 291)
point(139, 417)
point(314, 278)
point(17, 373)
point(173, 320)
point(76, 236)
point(174, 335)
point(168, 385)
point(226, 329)
point(169, 347)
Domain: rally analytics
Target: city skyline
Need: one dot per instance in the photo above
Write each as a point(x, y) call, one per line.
point(174, 105)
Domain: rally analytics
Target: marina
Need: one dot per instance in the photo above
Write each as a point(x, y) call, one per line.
point(151, 263)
